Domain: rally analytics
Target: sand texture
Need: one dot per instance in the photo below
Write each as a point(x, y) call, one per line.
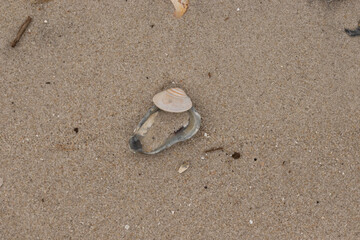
point(276, 81)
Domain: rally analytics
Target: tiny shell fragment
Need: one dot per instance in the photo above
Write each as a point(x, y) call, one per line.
point(183, 167)
point(180, 7)
point(1, 182)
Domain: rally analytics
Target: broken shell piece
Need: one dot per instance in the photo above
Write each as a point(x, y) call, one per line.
point(185, 132)
point(180, 7)
point(183, 167)
point(173, 100)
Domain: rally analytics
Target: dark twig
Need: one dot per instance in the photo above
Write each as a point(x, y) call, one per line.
point(353, 33)
point(214, 149)
point(21, 31)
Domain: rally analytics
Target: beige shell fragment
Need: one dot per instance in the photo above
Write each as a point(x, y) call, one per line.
point(1, 182)
point(183, 167)
point(180, 7)
point(173, 100)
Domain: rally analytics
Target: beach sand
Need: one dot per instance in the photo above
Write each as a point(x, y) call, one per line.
point(276, 81)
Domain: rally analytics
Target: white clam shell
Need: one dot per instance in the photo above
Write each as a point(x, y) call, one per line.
point(173, 100)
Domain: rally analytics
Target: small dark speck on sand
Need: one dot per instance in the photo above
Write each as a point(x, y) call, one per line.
point(235, 155)
point(76, 130)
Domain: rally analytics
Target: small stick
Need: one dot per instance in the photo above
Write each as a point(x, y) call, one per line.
point(21, 31)
point(64, 147)
point(214, 149)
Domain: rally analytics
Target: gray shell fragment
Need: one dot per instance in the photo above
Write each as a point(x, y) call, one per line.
point(185, 133)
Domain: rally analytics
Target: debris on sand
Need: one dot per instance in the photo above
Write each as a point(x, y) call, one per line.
point(180, 7)
point(214, 149)
point(183, 167)
point(40, 1)
point(235, 155)
point(353, 33)
point(21, 31)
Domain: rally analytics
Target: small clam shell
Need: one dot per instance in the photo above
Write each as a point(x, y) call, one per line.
point(180, 7)
point(173, 100)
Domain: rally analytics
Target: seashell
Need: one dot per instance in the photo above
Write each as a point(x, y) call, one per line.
point(180, 7)
point(148, 120)
point(173, 100)
point(183, 167)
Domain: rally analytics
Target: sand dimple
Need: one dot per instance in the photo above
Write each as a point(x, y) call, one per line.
point(165, 124)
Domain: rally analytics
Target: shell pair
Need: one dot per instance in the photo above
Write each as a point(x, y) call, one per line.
point(172, 100)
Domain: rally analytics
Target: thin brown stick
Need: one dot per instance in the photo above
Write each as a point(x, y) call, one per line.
point(214, 149)
point(21, 31)
point(65, 147)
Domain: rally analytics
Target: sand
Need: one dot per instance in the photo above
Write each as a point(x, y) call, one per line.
point(276, 81)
